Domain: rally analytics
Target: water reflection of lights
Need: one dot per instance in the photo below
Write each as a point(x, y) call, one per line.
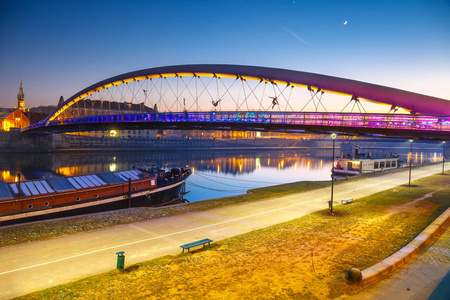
point(218, 169)
point(421, 157)
point(308, 165)
point(240, 168)
point(112, 167)
point(268, 162)
point(321, 163)
point(258, 162)
point(6, 176)
point(67, 171)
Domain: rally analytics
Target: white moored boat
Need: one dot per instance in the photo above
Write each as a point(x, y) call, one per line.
point(360, 163)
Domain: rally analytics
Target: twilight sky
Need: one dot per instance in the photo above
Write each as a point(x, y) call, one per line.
point(61, 47)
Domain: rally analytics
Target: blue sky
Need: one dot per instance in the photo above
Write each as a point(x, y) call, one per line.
point(60, 47)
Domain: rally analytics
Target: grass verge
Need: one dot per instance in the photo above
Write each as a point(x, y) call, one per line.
point(302, 259)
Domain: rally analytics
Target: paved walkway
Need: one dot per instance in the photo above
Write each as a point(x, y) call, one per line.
point(38, 265)
point(427, 277)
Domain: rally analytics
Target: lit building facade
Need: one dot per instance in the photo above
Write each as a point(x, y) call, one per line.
point(14, 117)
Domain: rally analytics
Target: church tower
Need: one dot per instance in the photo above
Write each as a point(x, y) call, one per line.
point(21, 98)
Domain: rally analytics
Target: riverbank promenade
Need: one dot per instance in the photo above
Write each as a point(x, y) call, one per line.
point(38, 265)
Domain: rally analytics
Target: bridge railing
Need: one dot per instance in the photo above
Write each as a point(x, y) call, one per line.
point(381, 121)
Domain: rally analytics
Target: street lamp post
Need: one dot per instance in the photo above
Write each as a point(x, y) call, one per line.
point(333, 136)
point(410, 159)
point(443, 156)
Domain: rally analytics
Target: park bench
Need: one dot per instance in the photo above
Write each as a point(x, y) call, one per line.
point(346, 200)
point(197, 243)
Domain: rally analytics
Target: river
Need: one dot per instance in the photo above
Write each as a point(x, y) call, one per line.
point(217, 172)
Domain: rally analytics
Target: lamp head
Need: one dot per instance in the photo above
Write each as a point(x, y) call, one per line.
point(333, 136)
point(411, 140)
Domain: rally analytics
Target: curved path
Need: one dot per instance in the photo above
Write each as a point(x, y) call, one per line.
point(38, 265)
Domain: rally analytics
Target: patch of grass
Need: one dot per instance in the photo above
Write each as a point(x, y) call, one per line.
point(301, 259)
point(16, 234)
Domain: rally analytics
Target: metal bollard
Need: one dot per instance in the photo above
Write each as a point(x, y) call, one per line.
point(120, 260)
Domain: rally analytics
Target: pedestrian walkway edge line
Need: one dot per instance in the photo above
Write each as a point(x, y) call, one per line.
point(408, 253)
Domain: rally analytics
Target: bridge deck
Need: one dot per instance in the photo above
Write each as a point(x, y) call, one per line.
point(420, 126)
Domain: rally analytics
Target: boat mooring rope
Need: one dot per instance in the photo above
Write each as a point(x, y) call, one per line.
point(216, 190)
point(217, 181)
point(221, 177)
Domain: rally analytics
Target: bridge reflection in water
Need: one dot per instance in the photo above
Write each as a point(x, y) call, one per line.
point(218, 173)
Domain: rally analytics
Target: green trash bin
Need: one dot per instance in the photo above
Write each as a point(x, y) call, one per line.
point(120, 260)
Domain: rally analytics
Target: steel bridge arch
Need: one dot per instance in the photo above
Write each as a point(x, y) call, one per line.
point(415, 103)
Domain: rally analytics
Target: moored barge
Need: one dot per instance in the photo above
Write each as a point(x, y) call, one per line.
point(360, 163)
point(59, 197)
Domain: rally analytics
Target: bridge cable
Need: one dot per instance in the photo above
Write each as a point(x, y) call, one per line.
point(312, 99)
point(346, 105)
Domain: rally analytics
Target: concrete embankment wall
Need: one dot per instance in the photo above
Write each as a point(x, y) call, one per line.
point(13, 141)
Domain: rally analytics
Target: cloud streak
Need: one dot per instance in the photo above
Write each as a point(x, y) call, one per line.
point(295, 35)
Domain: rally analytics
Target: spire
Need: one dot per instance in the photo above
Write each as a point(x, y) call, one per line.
point(21, 98)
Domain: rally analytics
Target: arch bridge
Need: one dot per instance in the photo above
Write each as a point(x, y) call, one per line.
point(235, 97)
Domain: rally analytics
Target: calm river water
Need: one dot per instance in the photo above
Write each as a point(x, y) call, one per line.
point(217, 173)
